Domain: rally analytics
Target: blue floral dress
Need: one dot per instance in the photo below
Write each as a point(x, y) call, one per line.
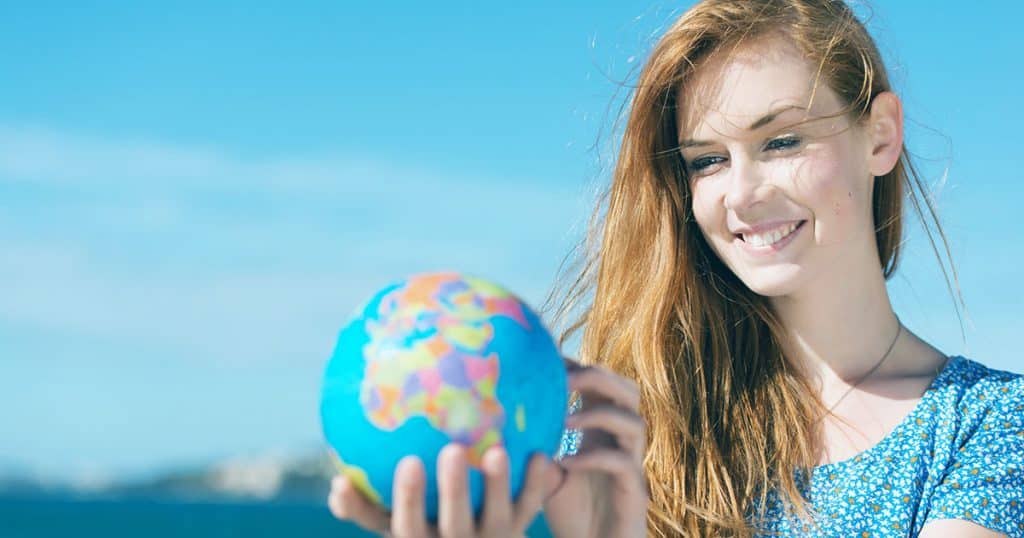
point(959, 454)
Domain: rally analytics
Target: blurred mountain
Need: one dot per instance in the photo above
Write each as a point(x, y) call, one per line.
point(301, 479)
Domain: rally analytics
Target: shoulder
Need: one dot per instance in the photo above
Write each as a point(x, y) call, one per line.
point(978, 406)
point(969, 373)
point(978, 469)
point(976, 389)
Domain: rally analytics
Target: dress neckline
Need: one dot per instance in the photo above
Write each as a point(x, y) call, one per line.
point(921, 408)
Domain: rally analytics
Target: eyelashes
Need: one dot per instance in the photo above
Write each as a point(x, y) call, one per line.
point(778, 144)
point(783, 142)
point(701, 163)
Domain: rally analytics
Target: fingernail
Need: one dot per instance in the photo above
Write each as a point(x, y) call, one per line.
point(453, 452)
point(407, 469)
point(495, 458)
point(453, 457)
point(339, 481)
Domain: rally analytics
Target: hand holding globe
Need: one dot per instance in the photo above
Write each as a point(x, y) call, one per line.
point(444, 401)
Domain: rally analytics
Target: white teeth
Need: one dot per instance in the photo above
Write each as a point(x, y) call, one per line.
point(770, 238)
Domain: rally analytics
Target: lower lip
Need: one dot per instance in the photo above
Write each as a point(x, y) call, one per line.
point(774, 247)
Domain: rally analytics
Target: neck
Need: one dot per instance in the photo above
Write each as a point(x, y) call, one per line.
point(838, 329)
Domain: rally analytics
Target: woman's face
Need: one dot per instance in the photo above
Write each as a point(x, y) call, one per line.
point(781, 185)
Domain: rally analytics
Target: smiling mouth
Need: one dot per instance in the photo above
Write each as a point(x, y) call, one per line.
point(770, 237)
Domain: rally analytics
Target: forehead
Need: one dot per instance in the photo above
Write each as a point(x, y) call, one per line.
point(734, 88)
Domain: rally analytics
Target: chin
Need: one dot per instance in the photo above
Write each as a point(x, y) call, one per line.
point(772, 282)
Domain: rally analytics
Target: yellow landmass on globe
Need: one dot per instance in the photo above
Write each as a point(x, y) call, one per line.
point(358, 478)
point(485, 287)
point(467, 336)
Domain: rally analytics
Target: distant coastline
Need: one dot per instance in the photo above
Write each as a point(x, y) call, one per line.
point(298, 480)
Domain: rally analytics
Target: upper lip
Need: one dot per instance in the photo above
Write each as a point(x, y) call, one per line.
point(762, 227)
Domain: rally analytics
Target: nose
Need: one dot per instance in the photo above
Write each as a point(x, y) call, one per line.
point(746, 184)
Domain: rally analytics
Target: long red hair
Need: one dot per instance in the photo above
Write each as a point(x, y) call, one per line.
point(728, 418)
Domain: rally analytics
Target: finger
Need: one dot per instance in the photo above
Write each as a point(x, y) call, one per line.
point(571, 365)
point(347, 503)
point(606, 383)
point(497, 505)
point(627, 475)
point(532, 496)
point(455, 516)
point(555, 478)
point(626, 427)
point(408, 516)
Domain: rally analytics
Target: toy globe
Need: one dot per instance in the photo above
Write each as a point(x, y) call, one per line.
point(441, 358)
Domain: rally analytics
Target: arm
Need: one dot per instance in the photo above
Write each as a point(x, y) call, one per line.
point(942, 528)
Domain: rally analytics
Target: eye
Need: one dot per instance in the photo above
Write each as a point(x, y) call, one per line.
point(782, 143)
point(702, 163)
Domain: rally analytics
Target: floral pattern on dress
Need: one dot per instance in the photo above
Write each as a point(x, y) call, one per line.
point(959, 454)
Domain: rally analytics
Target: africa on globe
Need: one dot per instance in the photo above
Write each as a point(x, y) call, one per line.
point(439, 358)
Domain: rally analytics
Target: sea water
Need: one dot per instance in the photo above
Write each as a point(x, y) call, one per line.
point(47, 517)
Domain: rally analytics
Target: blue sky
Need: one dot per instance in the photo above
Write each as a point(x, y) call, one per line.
point(193, 197)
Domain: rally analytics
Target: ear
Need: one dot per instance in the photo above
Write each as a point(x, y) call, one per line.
point(884, 133)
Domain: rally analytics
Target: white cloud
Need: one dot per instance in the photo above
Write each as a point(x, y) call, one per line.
point(238, 260)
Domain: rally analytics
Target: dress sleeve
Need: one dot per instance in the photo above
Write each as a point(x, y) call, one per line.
point(985, 482)
point(571, 438)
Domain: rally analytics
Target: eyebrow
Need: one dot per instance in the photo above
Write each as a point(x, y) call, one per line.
point(761, 122)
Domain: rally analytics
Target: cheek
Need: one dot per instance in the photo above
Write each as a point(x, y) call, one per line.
point(828, 185)
point(706, 206)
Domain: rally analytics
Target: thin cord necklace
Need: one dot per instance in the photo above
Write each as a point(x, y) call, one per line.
point(899, 330)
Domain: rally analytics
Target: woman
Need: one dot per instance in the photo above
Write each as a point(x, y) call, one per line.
point(746, 371)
